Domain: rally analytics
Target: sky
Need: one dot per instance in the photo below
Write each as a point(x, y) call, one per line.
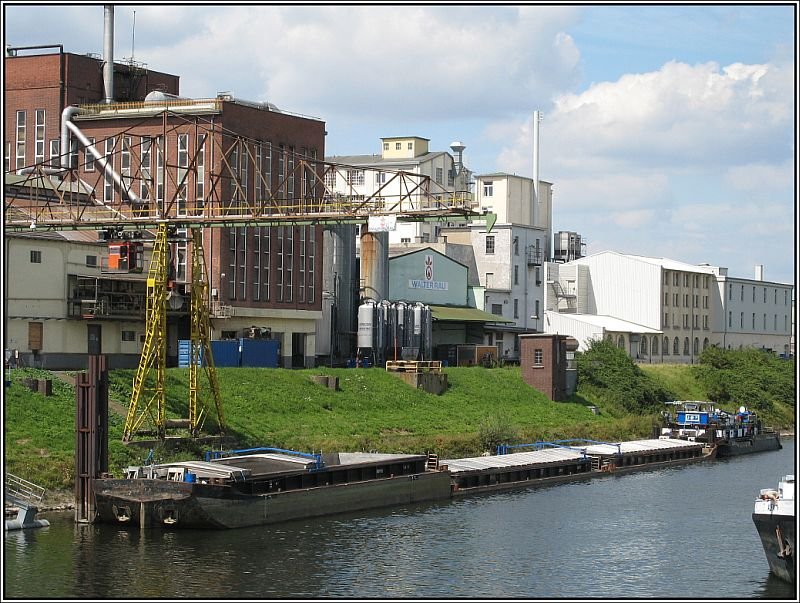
point(667, 131)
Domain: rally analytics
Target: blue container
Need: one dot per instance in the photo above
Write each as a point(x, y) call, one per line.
point(259, 352)
point(189, 477)
point(184, 353)
point(225, 352)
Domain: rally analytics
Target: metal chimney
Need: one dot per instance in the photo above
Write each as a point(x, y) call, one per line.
point(759, 272)
point(108, 53)
point(537, 117)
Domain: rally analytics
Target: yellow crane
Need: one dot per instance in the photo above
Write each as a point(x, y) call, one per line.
point(37, 201)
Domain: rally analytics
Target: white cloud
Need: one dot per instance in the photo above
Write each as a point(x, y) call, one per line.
point(400, 60)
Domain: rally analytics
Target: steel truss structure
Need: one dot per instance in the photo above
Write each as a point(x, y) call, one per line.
point(226, 166)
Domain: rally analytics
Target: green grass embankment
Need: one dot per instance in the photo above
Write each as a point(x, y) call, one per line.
point(373, 410)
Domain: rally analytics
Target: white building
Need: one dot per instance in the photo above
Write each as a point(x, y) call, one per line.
point(664, 310)
point(509, 258)
point(62, 305)
point(373, 174)
point(753, 313)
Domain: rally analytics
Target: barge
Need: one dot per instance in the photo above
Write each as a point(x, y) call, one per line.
point(773, 515)
point(732, 433)
point(263, 486)
point(567, 461)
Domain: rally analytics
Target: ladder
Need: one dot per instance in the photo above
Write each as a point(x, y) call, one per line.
point(433, 462)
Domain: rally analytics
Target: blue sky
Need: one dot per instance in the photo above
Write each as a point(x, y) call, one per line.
point(669, 130)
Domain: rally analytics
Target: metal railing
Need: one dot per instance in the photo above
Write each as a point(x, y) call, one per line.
point(23, 492)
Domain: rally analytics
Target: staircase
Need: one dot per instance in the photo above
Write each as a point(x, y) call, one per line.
point(25, 495)
point(433, 462)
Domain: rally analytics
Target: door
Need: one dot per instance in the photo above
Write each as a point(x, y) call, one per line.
point(94, 333)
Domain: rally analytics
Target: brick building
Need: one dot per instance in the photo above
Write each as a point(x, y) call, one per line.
point(545, 365)
point(174, 157)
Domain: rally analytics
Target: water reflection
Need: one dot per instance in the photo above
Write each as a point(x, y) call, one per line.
point(635, 536)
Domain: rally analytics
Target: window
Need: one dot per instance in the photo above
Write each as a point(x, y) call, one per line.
point(696, 345)
point(685, 346)
point(405, 240)
point(355, 177)
point(128, 335)
point(730, 319)
point(36, 256)
point(200, 173)
point(497, 309)
point(489, 244)
point(108, 188)
point(643, 346)
point(685, 300)
point(7, 157)
point(91, 260)
point(754, 321)
point(675, 299)
point(676, 346)
point(621, 342)
point(380, 178)
point(538, 357)
point(39, 149)
point(666, 320)
point(765, 295)
point(488, 188)
point(666, 277)
point(439, 175)
point(55, 157)
point(685, 280)
point(675, 279)
point(741, 294)
point(516, 245)
point(754, 294)
point(516, 274)
point(730, 291)
point(410, 146)
point(666, 346)
point(741, 320)
point(516, 308)
point(654, 349)
point(666, 298)
point(398, 146)
point(20, 140)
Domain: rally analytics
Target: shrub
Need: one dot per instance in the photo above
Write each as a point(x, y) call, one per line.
point(495, 430)
point(606, 366)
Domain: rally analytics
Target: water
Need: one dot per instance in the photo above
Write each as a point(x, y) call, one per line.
point(671, 533)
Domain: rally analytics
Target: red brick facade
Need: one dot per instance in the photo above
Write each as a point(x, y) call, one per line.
point(280, 271)
point(543, 360)
point(54, 81)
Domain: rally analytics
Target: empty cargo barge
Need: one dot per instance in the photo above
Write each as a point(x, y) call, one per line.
point(554, 463)
point(266, 485)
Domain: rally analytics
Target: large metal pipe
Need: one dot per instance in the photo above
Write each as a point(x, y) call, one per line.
point(66, 127)
point(108, 53)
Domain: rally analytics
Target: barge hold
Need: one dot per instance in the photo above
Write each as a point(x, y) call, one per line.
point(263, 486)
point(558, 462)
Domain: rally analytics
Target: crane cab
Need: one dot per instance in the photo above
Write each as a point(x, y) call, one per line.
point(125, 256)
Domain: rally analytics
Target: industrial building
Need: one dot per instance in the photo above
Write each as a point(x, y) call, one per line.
point(166, 151)
point(677, 310)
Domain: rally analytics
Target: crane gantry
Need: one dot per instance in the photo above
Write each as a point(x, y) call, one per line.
point(48, 198)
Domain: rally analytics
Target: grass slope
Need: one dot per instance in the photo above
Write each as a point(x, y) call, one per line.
point(373, 410)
